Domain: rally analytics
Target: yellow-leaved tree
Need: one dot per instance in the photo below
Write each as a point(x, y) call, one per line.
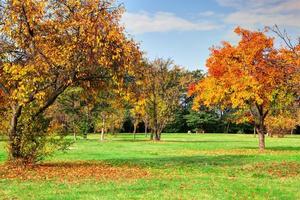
point(47, 46)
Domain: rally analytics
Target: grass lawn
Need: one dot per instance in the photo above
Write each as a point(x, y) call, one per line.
point(181, 166)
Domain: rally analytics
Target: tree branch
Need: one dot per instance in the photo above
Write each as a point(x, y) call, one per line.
point(4, 89)
point(51, 99)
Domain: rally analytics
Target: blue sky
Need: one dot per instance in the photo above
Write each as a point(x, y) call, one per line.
point(184, 30)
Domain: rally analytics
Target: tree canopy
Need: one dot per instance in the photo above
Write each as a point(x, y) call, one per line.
point(251, 76)
point(49, 45)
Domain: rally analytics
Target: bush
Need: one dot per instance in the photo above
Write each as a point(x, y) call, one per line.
point(38, 139)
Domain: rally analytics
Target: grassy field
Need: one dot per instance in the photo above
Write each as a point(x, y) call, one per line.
point(210, 166)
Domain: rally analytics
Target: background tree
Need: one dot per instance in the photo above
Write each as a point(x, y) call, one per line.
point(163, 85)
point(67, 111)
point(179, 123)
point(110, 112)
point(284, 121)
point(203, 120)
point(138, 114)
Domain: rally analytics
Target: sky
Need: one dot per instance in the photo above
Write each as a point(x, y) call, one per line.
point(184, 30)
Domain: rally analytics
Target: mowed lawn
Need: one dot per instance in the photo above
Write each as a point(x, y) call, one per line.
point(181, 166)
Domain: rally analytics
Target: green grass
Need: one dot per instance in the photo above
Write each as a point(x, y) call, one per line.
point(181, 166)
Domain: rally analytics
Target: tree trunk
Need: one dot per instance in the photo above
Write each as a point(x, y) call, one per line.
point(113, 130)
point(134, 130)
point(157, 135)
point(227, 127)
point(74, 132)
point(261, 130)
point(85, 133)
point(152, 135)
point(260, 127)
point(74, 135)
point(146, 129)
point(14, 135)
point(102, 134)
point(102, 129)
point(270, 134)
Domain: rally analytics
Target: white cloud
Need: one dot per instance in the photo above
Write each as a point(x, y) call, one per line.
point(207, 13)
point(144, 22)
point(242, 4)
point(285, 13)
point(252, 18)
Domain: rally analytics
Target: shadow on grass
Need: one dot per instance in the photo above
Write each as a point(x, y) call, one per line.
point(203, 141)
point(290, 137)
point(184, 161)
point(282, 148)
point(177, 141)
point(277, 148)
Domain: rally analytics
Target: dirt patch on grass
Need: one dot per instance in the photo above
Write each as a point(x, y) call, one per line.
point(71, 172)
point(276, 170)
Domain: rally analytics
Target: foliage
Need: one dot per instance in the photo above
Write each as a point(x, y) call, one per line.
point(284, 122)
point(163, 86)
point(49, 45)
point(204, 120)
point(263, 72)
point(68, 111)
point(39, 139)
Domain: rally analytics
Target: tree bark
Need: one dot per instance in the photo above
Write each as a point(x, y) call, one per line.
point(74, 136)
point(14, 134)
point(134, 130)
point(146, 129)
point(261, 130)
point(157, 135)
point(260, 127)
point(152, 135)
point(74, 132)
point(102, 129)
point(227, 127)
point(113, 130)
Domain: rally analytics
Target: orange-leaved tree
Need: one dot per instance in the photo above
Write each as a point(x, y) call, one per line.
point(47, 46)
point(249, 76)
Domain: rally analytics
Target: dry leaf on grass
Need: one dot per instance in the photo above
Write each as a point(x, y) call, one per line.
point(71, 172)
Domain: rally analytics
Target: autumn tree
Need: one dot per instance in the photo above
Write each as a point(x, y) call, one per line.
point(282, 124)
point(137, 113)
point(163, 86)
point(67, 110)
point(110, 111)
point(137, 98)
point(182, 113)
point(249, 76)
point(48, 46)
point(75, 111)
